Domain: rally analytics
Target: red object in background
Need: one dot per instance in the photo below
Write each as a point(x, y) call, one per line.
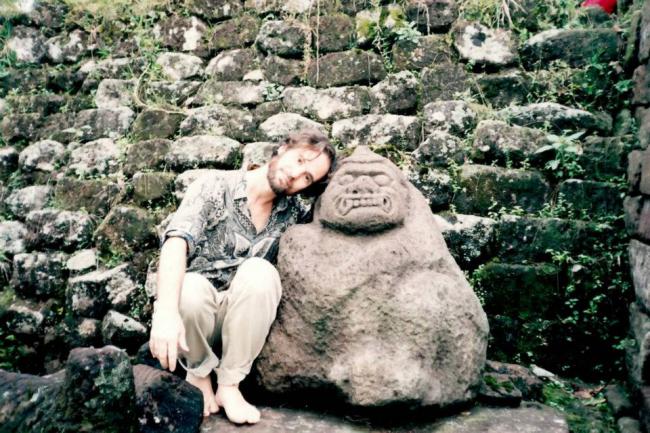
point(608, 6)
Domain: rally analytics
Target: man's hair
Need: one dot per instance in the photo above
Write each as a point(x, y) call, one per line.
point(317, 140)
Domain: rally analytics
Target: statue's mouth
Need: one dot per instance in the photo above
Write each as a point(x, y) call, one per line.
point(345, 203)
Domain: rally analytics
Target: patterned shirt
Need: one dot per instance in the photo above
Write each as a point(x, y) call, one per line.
point(215, 220)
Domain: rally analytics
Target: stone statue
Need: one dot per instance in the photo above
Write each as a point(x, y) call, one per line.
point(374, 306)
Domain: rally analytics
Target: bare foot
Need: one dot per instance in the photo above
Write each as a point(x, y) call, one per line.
point(203, 383)
point(237, 409)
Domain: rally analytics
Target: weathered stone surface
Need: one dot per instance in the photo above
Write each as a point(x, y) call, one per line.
point(112, 93)
point(455, 117)
point(484, 187)
point(283, 38)
point(633, 207)
point(502, 89)
point(435, 186)
point(496, 141)
point(634, 168)
point(327, 105)
point(55, 228)
point(594, 198)
point(521, 377)
point(437, 149)
point(335, 32)
point(619, 400)
point(179, 66)
point(290, 6)
point(432, 16)
point(124, 230)
point(214, 9)
point(638, 353)
point(149, 154)
point(68, 47)
point(231, 92)
point(628, 425)
point(644, 179)
point(187, 34)
point(235, 33)
point(345, 67)
point(375, 129)
point(102, 122)
point(98, 157)
point(82, 261)
point(27, 43)
point(642, 117)
point(22, 201)
point(16, 127)
point(173, 93)
point(641, 91)
point(232, 65)
point(577, 47)
point(604, 157)
point(644, 35)
point(559, 117)
point(639, 262)
point(8, 161)
point(483, 46)
point(97, 196)
point(257, 154)
point(217, 119)
point(123, 331)
point(497, 390)
point(166, 402)
point(94, 293)
point(41, 156)
point(153, 123)
point(283, 71)
point(428, 51)
point(396, 94)
point(87, 332)
point(279, 126)
point(203, 150)
point(41, 275)
point(341, 328)
point(13, 237)
point(152, 185)
point(110, 68)
point(25, 318)
point(469, 238)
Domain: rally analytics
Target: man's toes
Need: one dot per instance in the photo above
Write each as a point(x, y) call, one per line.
point(214, 407)
point(253, 416)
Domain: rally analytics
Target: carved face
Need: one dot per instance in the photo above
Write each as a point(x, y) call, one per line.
point(367, 193)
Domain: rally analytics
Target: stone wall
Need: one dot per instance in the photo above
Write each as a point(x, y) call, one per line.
point(517, 134)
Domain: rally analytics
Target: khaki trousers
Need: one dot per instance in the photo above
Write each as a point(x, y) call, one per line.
point(239, 318)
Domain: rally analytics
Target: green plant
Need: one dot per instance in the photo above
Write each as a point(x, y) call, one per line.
point(566, 155)
point(272, 92)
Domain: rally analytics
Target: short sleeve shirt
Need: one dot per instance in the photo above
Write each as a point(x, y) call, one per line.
point(215, 220)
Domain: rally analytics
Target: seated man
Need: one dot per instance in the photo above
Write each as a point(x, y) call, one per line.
point(228, 227)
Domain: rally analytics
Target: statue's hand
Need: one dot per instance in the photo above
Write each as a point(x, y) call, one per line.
point(167, 335)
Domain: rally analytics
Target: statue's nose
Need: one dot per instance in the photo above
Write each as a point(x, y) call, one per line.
point(363, 185)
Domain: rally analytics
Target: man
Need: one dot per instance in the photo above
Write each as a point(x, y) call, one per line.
point(228, 227)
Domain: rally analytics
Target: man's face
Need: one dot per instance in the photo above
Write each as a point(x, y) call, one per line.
point(294, 169)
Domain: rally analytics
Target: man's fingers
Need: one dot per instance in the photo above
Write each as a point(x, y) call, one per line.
point(182, 342)
point(162, 355)
point(152, 348)
point(173, 352)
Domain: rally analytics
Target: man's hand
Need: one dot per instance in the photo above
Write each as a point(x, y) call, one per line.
point(167, 335)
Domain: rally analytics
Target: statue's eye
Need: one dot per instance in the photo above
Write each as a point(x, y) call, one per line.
point(381, 179)
point(345, 179)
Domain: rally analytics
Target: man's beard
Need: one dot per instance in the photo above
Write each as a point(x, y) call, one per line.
point(271, 176)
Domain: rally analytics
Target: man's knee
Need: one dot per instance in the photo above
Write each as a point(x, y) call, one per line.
point(193, 294)
point(257, 276)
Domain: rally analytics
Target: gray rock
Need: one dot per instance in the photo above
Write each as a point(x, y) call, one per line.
point(642, 117)
point(557, 116)
point(455, 117)
point(577, 47)
point(283, 71)
point(510, 87)
point(639, 262)
point(591, 197)
point(148, 154)
point(432, 16)
point(151, 186)
point(41, 275)
point(173, 93)
point(641, 91)
point(68, 47)
point(326, 105)
point(644, 34)
point(344, 329)
point(232, 65)
point(41, 156)
point(113, 93)
point(203, 150)
point(522, 378)
point(94, 293)
point(122, 67)
point(468, 237)
point(125, 230)
point(8, 161)
point(638, 353)
point(60, 228)
point(103, 122)
point(27, 43)
point(345, 67)
point(619, 400)
point(634, 169)
point(428, 51)
point(497, 390)
point(283, 38)
point(231, 92)
point(277, 127)
point(438, 149)
point(435, 186)
point(98, 157)
point(22, 201)
point(187, 34)
point(214, 9)
point(375, 129)
point(396, 94)
point(17, 127)
point(257, 154)
point(82, 261)
point(628, 425)
point(25, 319)
point(179, 66)
point(335, 32)
point(156, 124)
point(634, 208)
point(123, 331)
point(217, 119)
point(96, 196)
point(13, 237)
point(482, 46)
point(496, 141)
point(88, 332)
point(235, 33)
